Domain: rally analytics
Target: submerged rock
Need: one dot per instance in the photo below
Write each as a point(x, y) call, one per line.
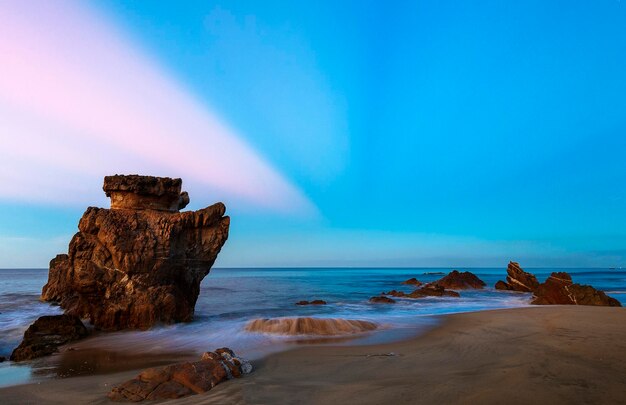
point(310, 326)
point(381, 299)
point(46, 334)
point(140, 262)
point(395, 293)
point(456, 280)
point(183, 379)
point(518, 280)
point(559, 289)
point(412, 281)
point(314, 302)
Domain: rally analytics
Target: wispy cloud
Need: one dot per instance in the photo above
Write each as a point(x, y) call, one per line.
point(78, 100)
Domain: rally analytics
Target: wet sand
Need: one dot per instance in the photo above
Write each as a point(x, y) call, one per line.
point(544, 355)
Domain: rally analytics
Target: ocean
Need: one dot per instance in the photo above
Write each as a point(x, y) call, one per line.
point(230, 298)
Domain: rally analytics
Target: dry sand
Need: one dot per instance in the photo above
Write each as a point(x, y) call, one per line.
point(538, 355)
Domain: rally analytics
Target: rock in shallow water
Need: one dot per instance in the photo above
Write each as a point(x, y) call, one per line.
point(140, 262)
point(381, 299)
point(46, 334)
point(183, 379)
point(518, 280)
point(559, 289)
point(456, 280)
point(310, 326)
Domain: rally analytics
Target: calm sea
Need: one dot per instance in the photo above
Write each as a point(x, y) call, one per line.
point(229, 298)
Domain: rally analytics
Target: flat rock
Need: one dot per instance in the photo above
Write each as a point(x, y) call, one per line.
point(46, 334)
point(183, 379)
point(431, 290)
point(456, 280)
point(381, 299)
point(314, 302)
point(137, 264)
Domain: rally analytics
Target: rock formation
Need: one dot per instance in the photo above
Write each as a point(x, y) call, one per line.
point(46, 334)
point(310, 326)
point(460, 281)
point(413, 281)
point(518, 280)
point(381, 299)
point(180, 380)
point(314, 302)
point(429, 290)
point(559, 289)
point(140, 262)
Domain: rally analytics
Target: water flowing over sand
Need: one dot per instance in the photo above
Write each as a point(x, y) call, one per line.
point(310, 326)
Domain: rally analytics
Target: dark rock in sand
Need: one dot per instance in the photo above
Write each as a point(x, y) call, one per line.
point(46, 334)
point(382, 300)
point(413, 281)
point(518, 280)
point(456, 280)
point(183, 379)
point(314, 302)
point(559, 289)
point(140, 262)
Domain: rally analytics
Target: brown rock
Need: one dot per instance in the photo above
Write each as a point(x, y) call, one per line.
point(381, 299)
point(314, 302)
point(183, 379)
point(310, 326)
point(46, 334)
point(413, 281)
point(140, 262)
point(395, 293)
point(518, 280)
point(559, 289)
point(460, 281)
point(431, 290)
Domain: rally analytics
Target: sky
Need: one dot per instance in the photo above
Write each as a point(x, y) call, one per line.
point(352, 133)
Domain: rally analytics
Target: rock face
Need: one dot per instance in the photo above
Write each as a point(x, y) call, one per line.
point(46, 334)
point(518, 280)
point(314, 302)
point(180, 380)
point(456, 280)
point(310, 326)
point(559, 289)
point(412, 281)
point(381, 299)
point(140, 262)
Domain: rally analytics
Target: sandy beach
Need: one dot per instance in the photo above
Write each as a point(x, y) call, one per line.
point(551, 355)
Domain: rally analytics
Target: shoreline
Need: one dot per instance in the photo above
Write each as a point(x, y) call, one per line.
point(556, 354)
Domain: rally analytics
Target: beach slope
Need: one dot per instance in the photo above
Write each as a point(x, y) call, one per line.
point(555, 355)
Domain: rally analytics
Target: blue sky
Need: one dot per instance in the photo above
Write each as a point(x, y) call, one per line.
point(417, 133)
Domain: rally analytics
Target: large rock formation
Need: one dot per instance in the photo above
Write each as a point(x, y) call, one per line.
point(559, 289)
point(518, 280)
point(46, 334)
point(140, 262)
point(180, 380)
point(456, 280)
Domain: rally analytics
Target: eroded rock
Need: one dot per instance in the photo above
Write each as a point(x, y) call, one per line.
point(183, 379)
point(456, 280)
point(310, 326)
point(559, 289)
point(140, 262)
point(46, 334)
point(518, 280)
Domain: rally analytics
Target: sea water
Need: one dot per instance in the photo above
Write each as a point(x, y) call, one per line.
point(230, 298)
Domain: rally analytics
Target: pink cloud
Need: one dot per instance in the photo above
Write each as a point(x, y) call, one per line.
point(78, 100)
